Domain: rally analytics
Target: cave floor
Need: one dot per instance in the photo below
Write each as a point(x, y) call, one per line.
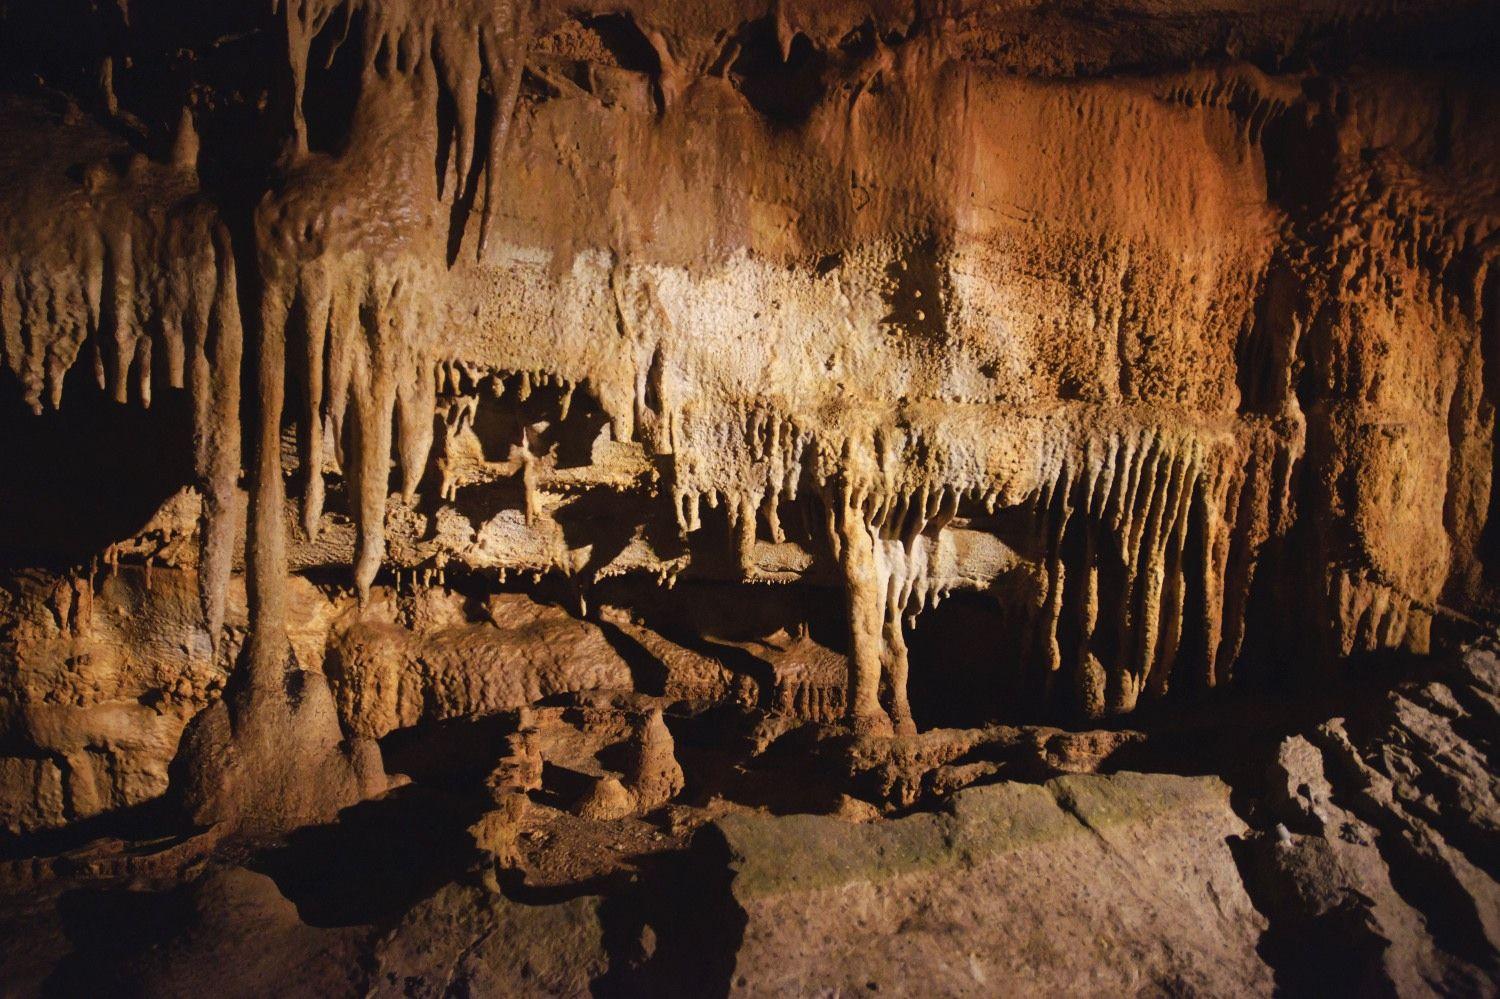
point(1221, 852)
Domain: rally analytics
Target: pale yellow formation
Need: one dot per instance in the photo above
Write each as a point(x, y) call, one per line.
point(620, 300)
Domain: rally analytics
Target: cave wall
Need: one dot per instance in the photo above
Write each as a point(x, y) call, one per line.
point(1169, 333)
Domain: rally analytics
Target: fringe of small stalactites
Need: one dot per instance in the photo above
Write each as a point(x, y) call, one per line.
point(1168, 510)
point(366, 327)
point(138, 269)
point(366, 320)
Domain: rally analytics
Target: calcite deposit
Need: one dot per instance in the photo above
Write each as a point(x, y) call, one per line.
point(657, 441)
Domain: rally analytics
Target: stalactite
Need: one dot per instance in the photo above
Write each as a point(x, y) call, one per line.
point(361, 306)
point(468, 45)
point(127, 264)
point(265, 543)
point(742, 526)
point(216, 378)
point(1136, 501)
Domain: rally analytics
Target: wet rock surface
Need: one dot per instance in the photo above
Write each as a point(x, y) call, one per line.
point(504, 497)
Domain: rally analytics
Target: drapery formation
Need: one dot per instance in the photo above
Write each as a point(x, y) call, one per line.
point(1091, 347)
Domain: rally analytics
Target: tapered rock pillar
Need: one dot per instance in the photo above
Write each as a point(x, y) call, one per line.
point(895, 666)
point(862, 593)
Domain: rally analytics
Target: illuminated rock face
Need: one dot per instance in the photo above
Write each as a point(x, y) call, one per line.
point(1185, 371)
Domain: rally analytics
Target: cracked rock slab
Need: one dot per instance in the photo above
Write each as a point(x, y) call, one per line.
point(1084, 884)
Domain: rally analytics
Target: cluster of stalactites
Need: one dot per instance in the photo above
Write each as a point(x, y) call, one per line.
point(1393, 237)
point(459, 386)
point(886, 546)
point(1166, 514)
point(1139, 529)
point(1385, 237)
point(364, 327)
point(354, 313)
point(461, 380)
point(1251, 97)
point(138, 269)
point(768, 451)
point(467, 44)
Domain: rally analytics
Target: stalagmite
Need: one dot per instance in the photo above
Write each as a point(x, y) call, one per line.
point(855, 548)
point(1091, 361)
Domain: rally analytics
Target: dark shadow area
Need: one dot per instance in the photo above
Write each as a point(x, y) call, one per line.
point(479, 502)
point(332, 90)
point(721, 612)
point(783, 91)
point(966, 664)
point(562, 786)
point(453, 755)
point(378, 860)
point(109, 929)
point(149, 825)
point(595, 519)
point(563, 422)
point(623, 39)
point(695, 924)
point(1298, 945)
point(89, 474)
point(648, 673)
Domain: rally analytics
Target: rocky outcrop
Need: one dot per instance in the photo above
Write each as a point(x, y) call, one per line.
point(759, 472)
point(386, 677)
point(1384, 841)
point(1356, 856)
point(102, 675)
point(911, 905)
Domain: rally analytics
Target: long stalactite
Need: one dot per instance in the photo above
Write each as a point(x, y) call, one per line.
point(1149, 505)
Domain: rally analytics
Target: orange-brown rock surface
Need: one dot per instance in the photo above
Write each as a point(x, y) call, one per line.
point(913, 393)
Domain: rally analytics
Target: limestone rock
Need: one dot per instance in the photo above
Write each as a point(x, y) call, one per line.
point(269, 761)
point(1134, 864)
point(606, 799)
point(32, 792)
point(491, 946)
point(386, 677)
point(1369, 806)
point(652, 774)
point(902, 398)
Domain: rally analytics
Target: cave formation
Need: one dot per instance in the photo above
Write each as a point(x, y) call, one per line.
point(508, 497)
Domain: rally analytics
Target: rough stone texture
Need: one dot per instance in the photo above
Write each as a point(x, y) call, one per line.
point(465, 940)
point(928, 308)
point(1385, 841)
point(1339, 870)
point(102, 676)
point(1142, 895)
point(33, 794)
point(826, 422)
point(386, 678)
